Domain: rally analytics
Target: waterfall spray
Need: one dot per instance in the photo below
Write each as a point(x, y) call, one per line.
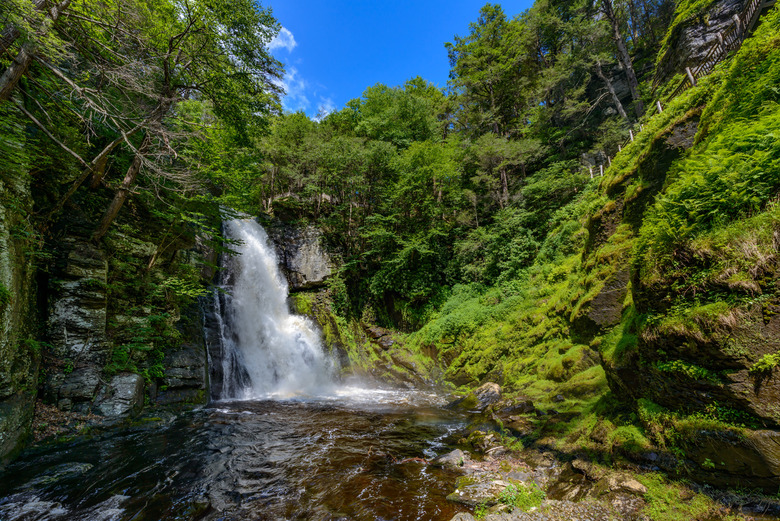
point(264, 351)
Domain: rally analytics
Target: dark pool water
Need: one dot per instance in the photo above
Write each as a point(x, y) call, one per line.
point(340, 457)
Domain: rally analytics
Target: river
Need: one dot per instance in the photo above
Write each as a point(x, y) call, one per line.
point(337, 457)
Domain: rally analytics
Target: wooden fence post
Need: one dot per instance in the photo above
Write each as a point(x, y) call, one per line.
point(691, 78)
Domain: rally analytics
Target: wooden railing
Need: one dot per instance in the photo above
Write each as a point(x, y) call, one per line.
point(727, 41)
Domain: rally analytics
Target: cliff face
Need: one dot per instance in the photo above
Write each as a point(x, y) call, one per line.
point(19, 349)
point(693, 34)
point(114, 326)
point(302, 257)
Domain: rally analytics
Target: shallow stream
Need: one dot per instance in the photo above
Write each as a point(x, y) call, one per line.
point(334, 457)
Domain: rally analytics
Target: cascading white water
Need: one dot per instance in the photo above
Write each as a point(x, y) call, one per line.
point(265, 350)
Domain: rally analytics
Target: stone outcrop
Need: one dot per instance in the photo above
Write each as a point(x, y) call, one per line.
point(303, 260)
point(479, 399)
point(19, 352)
point(86, 323)
point(186, 376)
point(77, 323)
point(691, 40)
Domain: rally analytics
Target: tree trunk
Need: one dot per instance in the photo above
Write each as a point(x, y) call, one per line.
point(625, 58)
point(504, 187)
point(121, 195)
point(611, 88)
point(18, 67)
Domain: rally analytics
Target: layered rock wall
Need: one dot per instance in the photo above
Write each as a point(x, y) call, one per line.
point(19, 350)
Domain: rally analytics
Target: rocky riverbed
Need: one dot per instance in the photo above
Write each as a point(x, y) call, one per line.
point(502, 480)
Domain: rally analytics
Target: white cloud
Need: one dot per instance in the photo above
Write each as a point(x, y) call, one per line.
point(295, 91)
point(299, 93)
point(325, 107)
point(284, 39)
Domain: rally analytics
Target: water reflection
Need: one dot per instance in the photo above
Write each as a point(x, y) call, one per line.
point(337, 457)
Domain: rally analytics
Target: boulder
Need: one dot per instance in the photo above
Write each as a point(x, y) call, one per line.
point(517, 405)
point(80, 385)
point(455, 459)
point(479, 399)
point(123, 397)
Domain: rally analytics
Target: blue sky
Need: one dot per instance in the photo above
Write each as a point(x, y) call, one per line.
point(334, 49)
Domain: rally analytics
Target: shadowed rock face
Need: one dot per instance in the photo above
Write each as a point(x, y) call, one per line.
point(77, 325)
point(303, 260)
point(19, 356)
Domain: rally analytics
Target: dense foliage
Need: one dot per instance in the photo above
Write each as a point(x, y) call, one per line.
point(422, 189)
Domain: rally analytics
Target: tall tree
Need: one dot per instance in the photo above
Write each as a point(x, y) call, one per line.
point(623, 55)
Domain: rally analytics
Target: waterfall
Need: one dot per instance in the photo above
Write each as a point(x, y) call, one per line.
point(262, 349)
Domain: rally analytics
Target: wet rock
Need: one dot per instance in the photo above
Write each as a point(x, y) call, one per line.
point(59, 473)
point(185, 368)
point(77, 324)
point(484, 442)
point(124, 396)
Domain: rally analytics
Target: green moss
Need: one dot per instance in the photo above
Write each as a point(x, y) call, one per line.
point(522, 496)
point(5, 297)
point(669, 501)
point(766, 364)
point(692, 371)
